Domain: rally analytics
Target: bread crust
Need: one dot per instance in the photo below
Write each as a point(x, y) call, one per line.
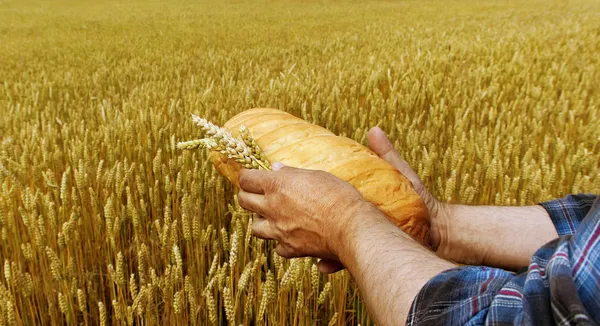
point(297, 143)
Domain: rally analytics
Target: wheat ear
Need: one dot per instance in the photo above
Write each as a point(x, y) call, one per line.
point(220, 140)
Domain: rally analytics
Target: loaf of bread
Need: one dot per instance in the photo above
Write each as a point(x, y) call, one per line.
point(297, 143)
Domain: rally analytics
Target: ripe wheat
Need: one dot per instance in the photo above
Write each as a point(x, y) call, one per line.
point(105, 219)
point(245, 151)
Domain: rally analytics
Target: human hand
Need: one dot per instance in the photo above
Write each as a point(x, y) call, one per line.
point(438, 211)
point(308, 212)
point(313, 213)
point(474, 235)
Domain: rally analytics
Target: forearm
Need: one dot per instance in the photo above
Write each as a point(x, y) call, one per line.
point(496, 236)
point(389, 267)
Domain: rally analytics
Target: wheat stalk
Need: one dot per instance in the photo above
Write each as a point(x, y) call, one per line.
point(86, 175)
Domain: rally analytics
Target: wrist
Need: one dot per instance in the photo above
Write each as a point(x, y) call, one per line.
point(365, 218)
point(441, 225)
point(459, 235)
point(372, 238)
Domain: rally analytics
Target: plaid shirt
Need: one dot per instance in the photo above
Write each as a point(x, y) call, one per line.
point(560, 286)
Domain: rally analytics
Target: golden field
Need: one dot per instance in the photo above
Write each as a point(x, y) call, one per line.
point(104, 221)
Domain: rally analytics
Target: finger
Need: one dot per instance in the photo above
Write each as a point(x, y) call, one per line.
point(254, 181)
point(379, 142)
point(252, 202)
point(327, 266)
point(261, 227)
point(383, 147)
point(285, 251)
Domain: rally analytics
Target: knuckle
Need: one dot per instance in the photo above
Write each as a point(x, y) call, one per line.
point(242, 179)
point(322, 175)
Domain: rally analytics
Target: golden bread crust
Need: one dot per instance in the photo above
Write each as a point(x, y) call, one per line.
point(297, 143)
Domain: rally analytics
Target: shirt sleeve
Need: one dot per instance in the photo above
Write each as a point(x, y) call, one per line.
point(568, 212)
point(560, 286)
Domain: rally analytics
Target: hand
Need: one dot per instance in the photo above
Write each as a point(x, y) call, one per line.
point(474, 235)
point(438, 211)
point(306, 211)
point(313, 213)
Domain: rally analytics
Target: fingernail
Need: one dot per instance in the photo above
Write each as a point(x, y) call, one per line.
point(377, 129)
point(277, 166)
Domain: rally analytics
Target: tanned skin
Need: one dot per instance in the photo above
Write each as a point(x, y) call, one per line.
point(313, 213)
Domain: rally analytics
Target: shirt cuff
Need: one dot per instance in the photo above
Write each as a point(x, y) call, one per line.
point(568, 212)
point(458, 296)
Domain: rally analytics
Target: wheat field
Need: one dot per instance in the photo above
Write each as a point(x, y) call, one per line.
point(104, 221)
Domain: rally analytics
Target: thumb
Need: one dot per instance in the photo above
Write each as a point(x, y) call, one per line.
point(381, 145)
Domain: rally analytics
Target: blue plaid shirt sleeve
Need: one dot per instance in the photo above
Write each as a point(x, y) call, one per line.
point(560, 286)
point(566, 213)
